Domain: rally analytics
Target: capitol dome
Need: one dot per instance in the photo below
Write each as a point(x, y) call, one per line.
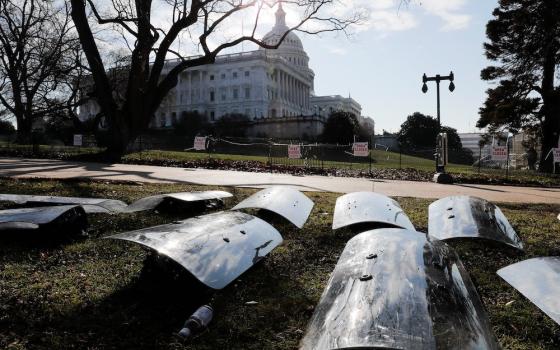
point(291, 47)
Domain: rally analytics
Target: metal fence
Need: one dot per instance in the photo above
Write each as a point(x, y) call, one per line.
point(326, 156)
point(313, 155)
point(319, 156)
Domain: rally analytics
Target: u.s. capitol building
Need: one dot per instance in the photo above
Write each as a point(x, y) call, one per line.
point(274, 88)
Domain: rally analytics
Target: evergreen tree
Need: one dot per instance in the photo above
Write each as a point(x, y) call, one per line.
point(420, 131)
point(341, 127)
point(524, 42)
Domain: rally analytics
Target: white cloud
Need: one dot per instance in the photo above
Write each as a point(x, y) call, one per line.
point(337, 50)
point(392, 21)
point(383, 18)
point(449, 11)
point(387, 16)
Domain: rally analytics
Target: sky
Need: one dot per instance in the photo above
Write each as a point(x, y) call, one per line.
point(381, 64)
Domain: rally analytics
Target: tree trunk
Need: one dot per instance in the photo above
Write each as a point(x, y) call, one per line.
point(550, 133)
point(23, 135)
point(122, 133)
point(550, 96)
point(119, 137)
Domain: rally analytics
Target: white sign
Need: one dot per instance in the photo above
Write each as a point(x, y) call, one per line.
point(360, 149)
point(294, 151)
point(499, 153)
point(200, 143)
point(556, 154)
point(78, 139)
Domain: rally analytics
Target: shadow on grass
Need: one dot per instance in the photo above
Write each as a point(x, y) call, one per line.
point(516, 321)
point(149, 311)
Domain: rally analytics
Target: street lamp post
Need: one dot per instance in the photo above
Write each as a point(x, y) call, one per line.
point(438, 78)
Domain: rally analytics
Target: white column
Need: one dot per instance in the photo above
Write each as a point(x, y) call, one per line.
point(294, 92)
point(303, 95)
point(300, 100)
point(287, 81)
point(290, 88)
point(279, 84)
point(298, 96)
point(287, 86)
point(283, 85)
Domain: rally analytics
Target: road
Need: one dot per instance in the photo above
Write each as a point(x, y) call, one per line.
point(41, 168)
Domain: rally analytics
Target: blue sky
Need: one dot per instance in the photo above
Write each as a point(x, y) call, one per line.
point(381, 65)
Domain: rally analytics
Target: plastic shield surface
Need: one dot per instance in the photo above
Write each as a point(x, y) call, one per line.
point(538, 280)
point(464, 217)
point(369, 207)
point(215, 248)
point(35, 218)
point(393, 288)
point(152, 202)
point(90, 205)
point(284, 201)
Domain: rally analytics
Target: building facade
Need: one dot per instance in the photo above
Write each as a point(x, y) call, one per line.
point(471, 141)
point(388, 140)
point(276, 85)
point(325, 105)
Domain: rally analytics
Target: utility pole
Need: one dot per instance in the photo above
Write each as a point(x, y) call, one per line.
point(440, 169)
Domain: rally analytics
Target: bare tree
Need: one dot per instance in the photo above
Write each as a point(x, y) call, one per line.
point(39, 60)
point(199, 21)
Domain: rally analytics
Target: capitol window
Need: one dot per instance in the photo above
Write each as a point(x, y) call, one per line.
point(235, 93)
point(234, 75)
point(211, 96)
point(212, 77)
point(247, 93)
point(247, 73)
point(223, 76)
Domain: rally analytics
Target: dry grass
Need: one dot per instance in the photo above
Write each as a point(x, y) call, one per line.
point(91, 293)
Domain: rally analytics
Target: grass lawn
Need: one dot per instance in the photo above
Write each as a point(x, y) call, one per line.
point(382, 160)
point(91, 293)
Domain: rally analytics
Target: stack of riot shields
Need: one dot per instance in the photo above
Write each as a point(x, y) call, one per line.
point(470, 218)
point(396, 288)
point(393, 287)
point(67, 215)
point(217, 248)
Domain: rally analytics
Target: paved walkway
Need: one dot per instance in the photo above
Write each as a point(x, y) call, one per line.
point(22, 168)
